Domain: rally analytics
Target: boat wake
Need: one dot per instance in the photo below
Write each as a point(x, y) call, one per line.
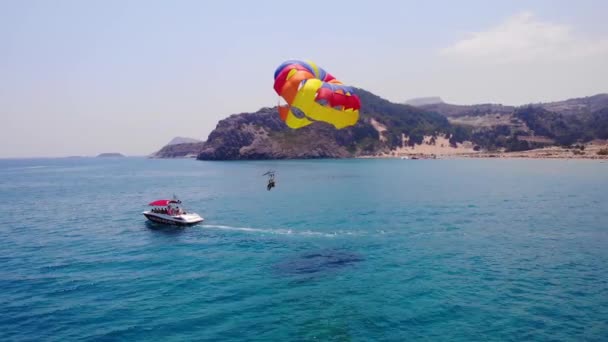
point(277, 231)
point(23, 168)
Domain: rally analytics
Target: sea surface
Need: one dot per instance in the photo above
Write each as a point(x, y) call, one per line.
point(340, 250)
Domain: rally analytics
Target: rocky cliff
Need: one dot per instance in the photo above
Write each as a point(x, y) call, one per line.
point(262, 135)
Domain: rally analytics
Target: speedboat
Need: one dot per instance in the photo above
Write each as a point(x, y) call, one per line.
point(171, 212)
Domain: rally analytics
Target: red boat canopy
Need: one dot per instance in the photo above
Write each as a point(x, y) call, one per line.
point(162, 203)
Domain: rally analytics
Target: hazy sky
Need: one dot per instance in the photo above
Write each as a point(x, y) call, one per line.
point(85, 77)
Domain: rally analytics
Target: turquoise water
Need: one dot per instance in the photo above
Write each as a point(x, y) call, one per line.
point(346, 250)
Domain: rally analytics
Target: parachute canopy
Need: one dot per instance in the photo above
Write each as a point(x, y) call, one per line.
point(315, 95)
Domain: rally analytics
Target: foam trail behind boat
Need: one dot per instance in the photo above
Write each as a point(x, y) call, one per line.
point(269, 230)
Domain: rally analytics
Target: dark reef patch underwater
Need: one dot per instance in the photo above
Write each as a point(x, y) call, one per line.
point(317, 263)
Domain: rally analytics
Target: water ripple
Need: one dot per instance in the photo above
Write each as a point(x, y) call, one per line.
point(499, 250)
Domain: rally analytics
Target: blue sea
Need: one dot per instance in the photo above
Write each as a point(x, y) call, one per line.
point(340, 250)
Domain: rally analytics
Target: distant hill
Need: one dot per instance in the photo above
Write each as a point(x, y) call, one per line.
point(183, 140)
point(454, 111)
point(421, 101)
point(577, 106)
point(110, 155)
point(385, 127)
point(184, 150)
point(566, 127)
point(262, 135)
point(179, 147)
point(518, 128)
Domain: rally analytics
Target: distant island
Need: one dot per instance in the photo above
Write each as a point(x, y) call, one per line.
point(180, 147)
point(574, 128)
point(110, 155)
point(183, 140)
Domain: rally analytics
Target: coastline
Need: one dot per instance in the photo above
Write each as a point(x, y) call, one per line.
point(588, 151)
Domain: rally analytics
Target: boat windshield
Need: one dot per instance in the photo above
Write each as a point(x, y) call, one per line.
point(170, 210)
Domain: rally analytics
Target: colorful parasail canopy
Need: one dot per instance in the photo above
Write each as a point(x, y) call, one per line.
point(316, 94)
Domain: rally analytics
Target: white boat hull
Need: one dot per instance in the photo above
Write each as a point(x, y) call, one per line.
point(179, 220)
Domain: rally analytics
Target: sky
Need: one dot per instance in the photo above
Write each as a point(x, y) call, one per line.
point(87, 77)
